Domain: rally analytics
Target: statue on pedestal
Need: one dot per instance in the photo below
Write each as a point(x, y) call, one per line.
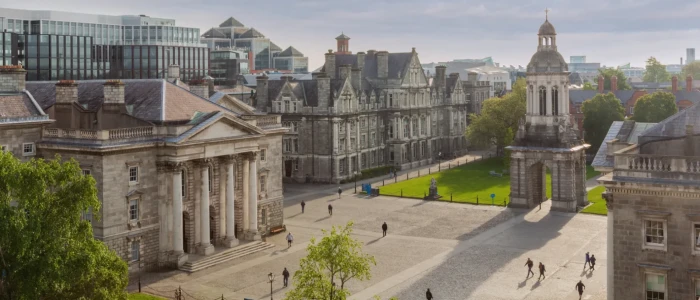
point(433, 183)
point(433, 192)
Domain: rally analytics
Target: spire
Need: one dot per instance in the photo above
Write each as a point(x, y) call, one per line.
point(546, 14)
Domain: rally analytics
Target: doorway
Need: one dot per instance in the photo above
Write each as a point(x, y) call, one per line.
point(288, 168)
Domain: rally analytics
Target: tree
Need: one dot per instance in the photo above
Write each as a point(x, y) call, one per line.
point(587, 86)
point(498, 121)
point(46, 250)
point(692, 69)
point(621, 78)
point(654, 108)
point(599, 113)
point(655, 71)
point(329, 265)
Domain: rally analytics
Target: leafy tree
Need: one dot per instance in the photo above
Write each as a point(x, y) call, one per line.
point(498, 121)
point(46, 250)
point(599, 113)
point(655, 107)
point(692, 69)
point(621, 78)
point(329, 265)
point(655, 71)
point(587, 86)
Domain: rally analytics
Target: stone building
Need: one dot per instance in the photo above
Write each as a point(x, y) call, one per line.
point(653, 212)
point(547, 138)
point(366, 112)
point(176, 174)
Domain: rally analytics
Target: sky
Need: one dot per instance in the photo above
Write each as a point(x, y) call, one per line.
point(612, 32)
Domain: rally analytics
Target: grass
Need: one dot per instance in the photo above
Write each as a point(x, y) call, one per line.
point(590, 172)
point(597, 206)
point(142, 296)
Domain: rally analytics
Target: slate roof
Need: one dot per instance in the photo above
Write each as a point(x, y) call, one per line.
point(547, 29)
point(19, 107)
point(214, 33)
point(450, 84)
point(290, 52)
point(625, 132)
point(675, 126)
point(547, 60)
point(274, 47)
point(251, 33)
point(601, 157)
point(310, 88)
point(231, 22)
point(397, 62)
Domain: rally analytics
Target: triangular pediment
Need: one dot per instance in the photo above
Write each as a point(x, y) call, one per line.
point(235, 105)
point(222, 127)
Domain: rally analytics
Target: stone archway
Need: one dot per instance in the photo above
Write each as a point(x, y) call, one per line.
point(536, 176)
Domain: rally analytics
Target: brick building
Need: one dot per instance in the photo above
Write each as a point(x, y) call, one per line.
point(176, 174)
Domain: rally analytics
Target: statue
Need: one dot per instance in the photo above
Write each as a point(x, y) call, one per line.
point(433, 183)
point(433, 191)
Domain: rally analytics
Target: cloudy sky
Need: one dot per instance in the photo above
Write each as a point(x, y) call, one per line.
point(612, 32)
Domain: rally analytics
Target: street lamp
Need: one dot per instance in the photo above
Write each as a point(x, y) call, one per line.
point(271, 277)
point(354, 175)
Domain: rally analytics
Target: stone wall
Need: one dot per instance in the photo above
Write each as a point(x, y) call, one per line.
point(13, 139)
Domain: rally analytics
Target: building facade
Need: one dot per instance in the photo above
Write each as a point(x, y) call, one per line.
point(291, 60)
point(227, 64)
point(175, 173)
point(54, 45)
point(498, 79)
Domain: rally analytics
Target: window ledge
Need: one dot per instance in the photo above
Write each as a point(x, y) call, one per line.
point(654, 213)
point(660, 248)
point(134, 224)
point(662, 268)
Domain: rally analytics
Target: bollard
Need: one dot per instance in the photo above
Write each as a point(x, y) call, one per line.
point(477, 199)
point(395, 179)
point(450, 196)
point(407, 175)
point(449, 166)
point(428, 171)
point(139, 284)
point(382, 182)
point(418, 173)
point(401, 193)
point(439, 167)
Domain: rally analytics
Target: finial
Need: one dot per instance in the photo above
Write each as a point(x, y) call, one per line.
point(546, 14)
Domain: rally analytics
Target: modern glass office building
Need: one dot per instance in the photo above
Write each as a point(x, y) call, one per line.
point(60, 45)
point(227, 64)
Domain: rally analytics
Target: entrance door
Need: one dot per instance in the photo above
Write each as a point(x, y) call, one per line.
point(287, 168)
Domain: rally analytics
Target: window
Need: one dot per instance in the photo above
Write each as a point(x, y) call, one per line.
point(296, 164)
point(353, 143)
point(655, 286)
point(263, 214)
point(262, 155)
point(406, 128)
point(295, 126)
point(363, 141)
point(87, 172)
point(133, 174)
point(286, 106)
point(631, 110)
point(555, 101)
point(183, 174)
point(135, 250)
point(697, 288)
point(28, 149)
point(87, 215)
point(363, 160)
point(341, 144)
point(654, 234)
point(210, 178)
point(391, 156)
point(296, 145)
point(263, 183)
point(696, 236)
point(134, 210)
point(391, 130)
point(543, 101)
point(3, 148)
point(279, 106)
point(341, 166)
point(295, 106)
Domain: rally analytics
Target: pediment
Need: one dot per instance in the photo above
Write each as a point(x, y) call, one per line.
point(221, 128)
point(235, 105)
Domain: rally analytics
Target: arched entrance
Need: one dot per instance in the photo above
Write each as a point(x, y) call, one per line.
point(537, 183)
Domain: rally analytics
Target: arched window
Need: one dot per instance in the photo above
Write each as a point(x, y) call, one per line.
point(406, 128)
point(555, 101)
point(391, 129)
point(543, 101)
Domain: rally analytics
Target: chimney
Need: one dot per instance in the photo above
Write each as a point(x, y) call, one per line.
point(173, 72)
point(200, 88)
point(64, 111)
point(12, 79)
point(261, 97)
point(355, 78)
point(689, 83)
point(66, 91)
point(330, 64)
point(323, 92)
point(601, 84)
point(371, 52)
point(382, 64)
point(361, 60)
point(674, 83)
point(114, 92)
point(613, 83)
point(472, 77)
point(440, 76)
point(344, 71)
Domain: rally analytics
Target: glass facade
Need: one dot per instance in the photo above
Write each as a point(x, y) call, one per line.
point(150, 61)
point(8, 48)
point(226, 66)
point(260, 47)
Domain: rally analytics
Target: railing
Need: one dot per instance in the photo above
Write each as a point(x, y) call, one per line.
point(114, 134)
point(127, 133)
point(269, 121)
point(657, 163)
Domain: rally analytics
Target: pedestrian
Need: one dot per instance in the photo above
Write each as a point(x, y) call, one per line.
point(285, 276)
point(339, 192)
point(588, 261)
point(384, 228)
point(290, 239)
point(542, 270)
point(428, 295)
point(580, 287)
point(529, 265)
point(330, 209)
point(592, 262)
point(303, 204)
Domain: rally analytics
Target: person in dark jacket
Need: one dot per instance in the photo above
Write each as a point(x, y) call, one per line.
point(303, 204)
point(339, 192)
point(529, 265)
point(428, 295)
point(580, 287)
point(330, 209)
point(285, 276)
point(592, 262)
point(588, 261)
point(542, 270)
point(384, 228)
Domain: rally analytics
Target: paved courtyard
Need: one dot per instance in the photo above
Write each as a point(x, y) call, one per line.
point(459, 251)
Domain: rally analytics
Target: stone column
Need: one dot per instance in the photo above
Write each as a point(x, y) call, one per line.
point(231, 240)
point(178, 247)
point(246, 193)
point(253, 205)
point(610, 247)
point(205, 247)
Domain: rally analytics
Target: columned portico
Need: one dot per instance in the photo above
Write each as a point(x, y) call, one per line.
point(177, 229)
point(205, 246)
point(231, 239)
point(253, 197)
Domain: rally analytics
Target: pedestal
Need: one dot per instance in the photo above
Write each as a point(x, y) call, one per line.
point(230, 242)
point(433, 194)
point(180, 259)
point(205, 250)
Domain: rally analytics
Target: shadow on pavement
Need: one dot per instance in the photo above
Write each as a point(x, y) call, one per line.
point(324, 218)
point(373, 241)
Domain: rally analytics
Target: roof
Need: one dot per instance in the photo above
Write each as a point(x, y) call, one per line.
point(251, 33)
point(231, 22)
point(213, 33)
point(486, 69)
point(274, 47)
point(396, 63)
point(578, 96)
point(154, 100)
point(547, 29)
point(290, 52)
point(238, 89)
point(547, 60)
point(19, 107)
point(676, 125)
point(625, 132)
point(342, 36)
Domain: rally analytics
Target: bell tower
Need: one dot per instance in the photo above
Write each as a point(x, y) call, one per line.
point(343, 42)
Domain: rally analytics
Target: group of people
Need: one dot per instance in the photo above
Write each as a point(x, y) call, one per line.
point(580, 287)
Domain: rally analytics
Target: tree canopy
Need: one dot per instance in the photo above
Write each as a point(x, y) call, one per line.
point(654, 108)
point(655, 71)
point(621, 78)
point(587, 86)
point(498, 121)
point(329, 265)
point(46, 250)
point(599, 113)
point(692, 69)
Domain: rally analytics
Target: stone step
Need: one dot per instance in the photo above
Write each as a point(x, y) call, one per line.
point(227, 255)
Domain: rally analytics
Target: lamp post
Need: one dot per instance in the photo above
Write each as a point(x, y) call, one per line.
point(271, 277)
point(354, 175)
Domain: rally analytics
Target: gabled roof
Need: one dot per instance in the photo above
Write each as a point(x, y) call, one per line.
point(290, 52)
point(20, 107)
point(397, 63)
point(251, 33)
point(274, 47)
point(676, 125)
point(231, 22)
point(213, 33)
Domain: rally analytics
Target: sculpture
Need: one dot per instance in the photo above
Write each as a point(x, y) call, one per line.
point(433, 183)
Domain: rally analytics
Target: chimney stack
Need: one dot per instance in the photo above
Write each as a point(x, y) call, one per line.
point(383, 64)
point(601, 84)
point(66, 91)
point(613, 83)
point(12, 79)
point(261, 97)
point(360, 60)
point(472, 77)
point(674, 83)
point(689, 83)
point(114, 92)
point(330, 64)
point(200, 88)
point(323, 92)
point(64, 112)
point(344, 71)
point(440, 76)
point(173, 72)
point(355, 78)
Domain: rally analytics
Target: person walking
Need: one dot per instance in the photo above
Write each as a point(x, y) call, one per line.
point(592, 262)
point(303, 204)
point(529, 265)
point(330, 209)
point(542, 270)
point(339, 192)
point(384, 228)
point(290, 239)
point(428, 295)
point(580, 287)
point(285, 276)
point(588, 261)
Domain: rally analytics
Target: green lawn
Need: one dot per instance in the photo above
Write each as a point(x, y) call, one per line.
point(465, 183)
point(597, 206)
point(590, 173)
point(142, 296)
